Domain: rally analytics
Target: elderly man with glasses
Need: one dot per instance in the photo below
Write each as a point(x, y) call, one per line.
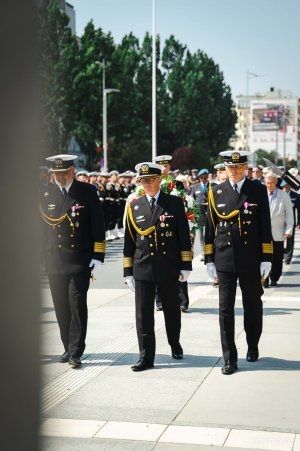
point(157, 253)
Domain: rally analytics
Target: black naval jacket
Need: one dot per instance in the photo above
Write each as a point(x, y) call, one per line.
point(156, 246)
point(73, 232)
point(241, 242)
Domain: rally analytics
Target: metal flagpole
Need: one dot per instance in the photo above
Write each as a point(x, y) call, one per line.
point(153, 79)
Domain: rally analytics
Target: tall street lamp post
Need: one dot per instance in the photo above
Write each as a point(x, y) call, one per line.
point(104, 116)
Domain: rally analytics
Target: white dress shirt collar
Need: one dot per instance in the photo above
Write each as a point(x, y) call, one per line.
point(67, 187)
point(239, 184)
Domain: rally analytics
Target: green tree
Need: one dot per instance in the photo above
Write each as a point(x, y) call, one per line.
point(201, 113)
point(95, 46)
point(59, 49)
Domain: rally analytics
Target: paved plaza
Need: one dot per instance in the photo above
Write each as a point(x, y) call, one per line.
point(177, 405)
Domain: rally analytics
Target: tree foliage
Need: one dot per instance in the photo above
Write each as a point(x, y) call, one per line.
point(194, 105)
point(58, 71)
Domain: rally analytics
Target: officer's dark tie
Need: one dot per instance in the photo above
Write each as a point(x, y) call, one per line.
point(152, 204)
point(64, 192)
point(235, 189)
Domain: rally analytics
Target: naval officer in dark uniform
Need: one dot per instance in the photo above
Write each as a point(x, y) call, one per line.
point(74, 243)
point(157, 253)
point(238, 246)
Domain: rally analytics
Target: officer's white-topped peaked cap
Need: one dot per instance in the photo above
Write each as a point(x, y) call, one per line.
point(148, 169)
point(219, 166)
point(234, 157)
point(162, 159)
point(62, 162)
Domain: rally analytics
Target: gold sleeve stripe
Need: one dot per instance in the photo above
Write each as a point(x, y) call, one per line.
point(127, 262)
point(186, 256)
point(100, 247)
point(267, 248)
point(208, 251)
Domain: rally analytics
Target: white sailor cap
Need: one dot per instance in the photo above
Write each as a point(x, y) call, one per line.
point(162, 159)
point(114, 172)
point(104, 174)
point(148, 169)
point(220, 167)
point(93, 174)
point(62, 162)
point(82, 172)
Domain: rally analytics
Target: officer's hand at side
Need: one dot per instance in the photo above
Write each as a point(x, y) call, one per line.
point(130, 283)
point(184, 274)
point(212, 271)
point(265, 268)
point(94, 263)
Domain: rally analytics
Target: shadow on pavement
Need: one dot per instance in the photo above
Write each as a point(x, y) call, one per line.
point(272, 364)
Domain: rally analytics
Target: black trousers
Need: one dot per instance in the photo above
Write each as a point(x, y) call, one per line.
point(276, 270)
point(183, 293)
point(289, 249)
point(252, 291)
point(69, 294)
point(144, 310)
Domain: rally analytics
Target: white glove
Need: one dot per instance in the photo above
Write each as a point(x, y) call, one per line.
point(212, 271)
point(265, 268)
point(130, 283)
point(184, 274)
point(94, 263)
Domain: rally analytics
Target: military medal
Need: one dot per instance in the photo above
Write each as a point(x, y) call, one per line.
point(73, 211)
point(246, 211)
point(162, 221)
point(76, 224)
point(142, 237)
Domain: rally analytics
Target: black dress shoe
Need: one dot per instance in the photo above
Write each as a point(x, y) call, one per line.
point(252, 355)
point(229, 367)
point(177, 352)
point(75, 362)
point(142, 365)
point(64, 358)
point(183, 308)
point(273, 283)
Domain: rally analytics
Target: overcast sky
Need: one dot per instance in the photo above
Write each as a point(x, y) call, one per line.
point(261, 36)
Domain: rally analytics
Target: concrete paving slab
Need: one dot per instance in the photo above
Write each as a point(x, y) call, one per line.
point(195, 436)
point(260, 440)
point(131, 431)
point(77, 444)
point(296, 446)
point(70, 427)
point(245, 398)
point(185, 447)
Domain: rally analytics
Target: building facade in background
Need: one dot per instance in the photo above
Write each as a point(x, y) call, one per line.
point(69, 10)
point(269, 121)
